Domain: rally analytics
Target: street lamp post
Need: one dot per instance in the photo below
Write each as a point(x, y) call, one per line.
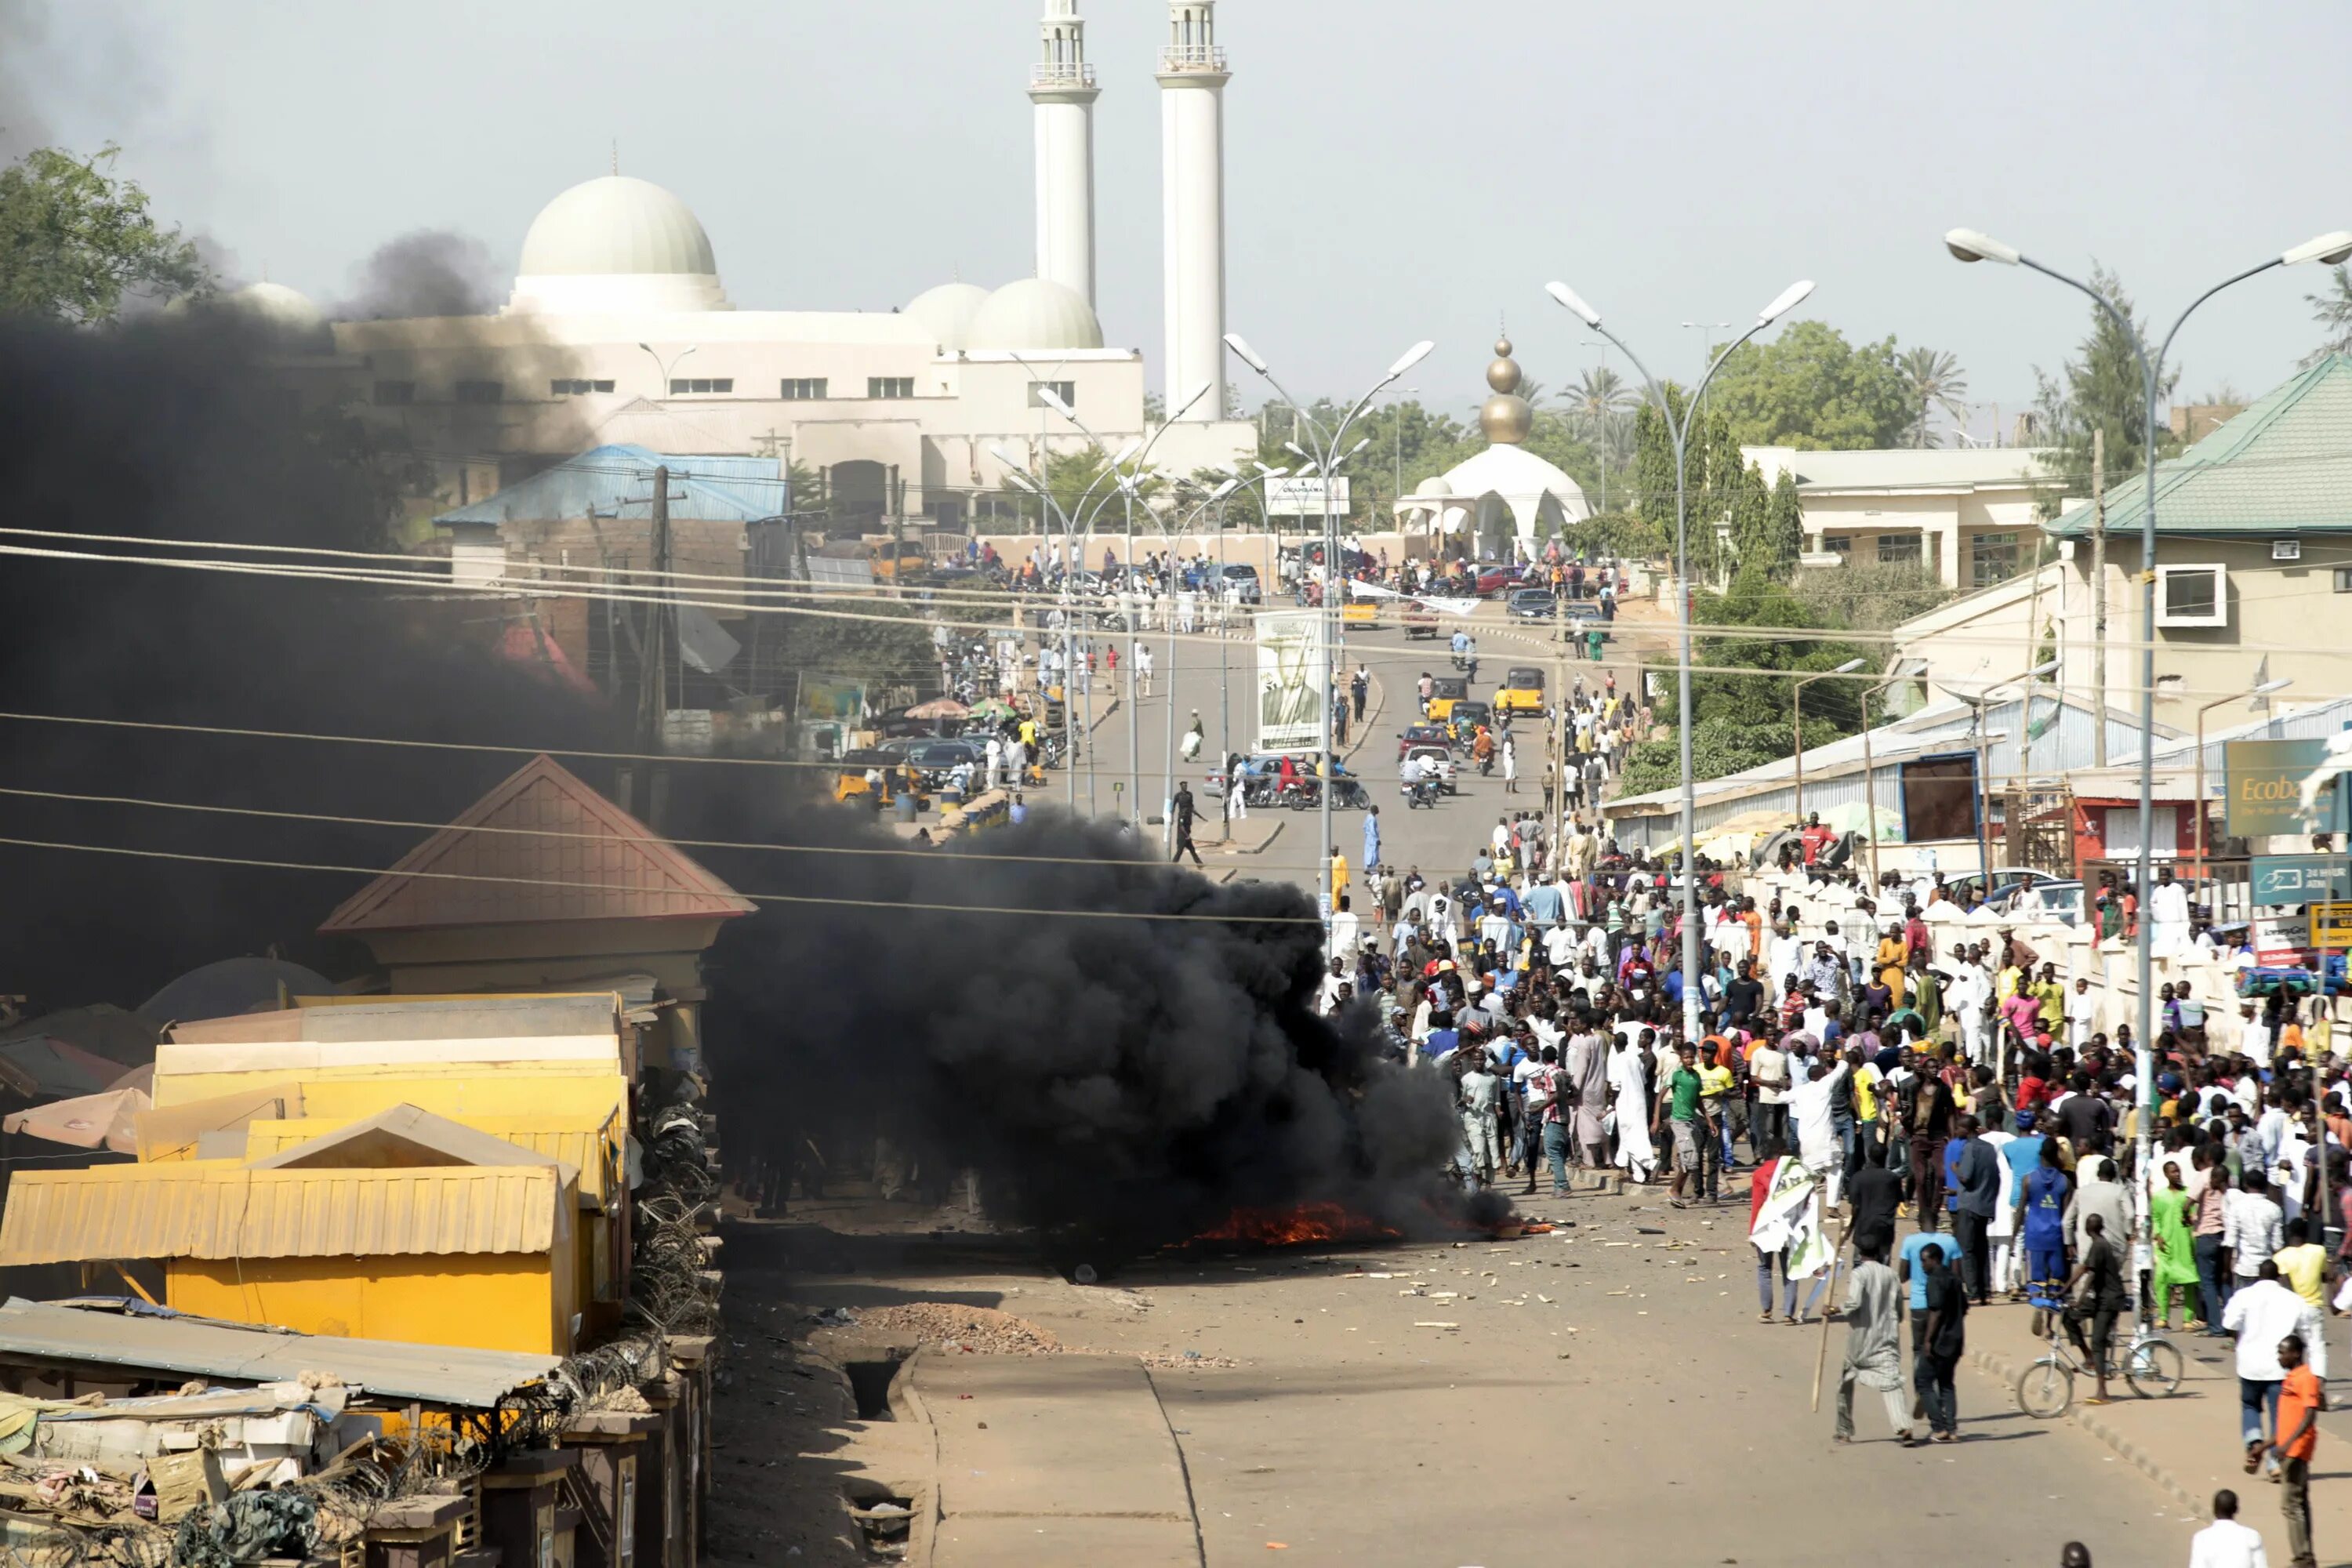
point(1797, 723)
point(1325, 460)
point(1968, 244)
point(1127, 492)
point(663, 389)
point(2264, 690)
point(1035, 485)
point(1679, 431)
point(1171, 531)
point(1263, 477)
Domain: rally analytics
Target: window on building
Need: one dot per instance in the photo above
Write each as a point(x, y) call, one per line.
point(2343, 578)
point(1067, 391)
point(395, 393)
point(1839, 544)
point(809, 389)
point(1898, 550)
point(2192, 595)
point(573, 386)
point(889, 387)
point(1993, 557)
point(680, 385)
point(481, 392)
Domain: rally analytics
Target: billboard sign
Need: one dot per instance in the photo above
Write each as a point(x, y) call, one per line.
point(2331, 926)
point(2281, 939)
point(2299, 878)
point(1292, 682)
point(1303, 497)
point(2265, 781)
point(823, 699)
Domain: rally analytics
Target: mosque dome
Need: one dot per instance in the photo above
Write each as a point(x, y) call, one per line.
point(946, 312)
point(617, 244)
point(1035, 315)
point(1433, 487)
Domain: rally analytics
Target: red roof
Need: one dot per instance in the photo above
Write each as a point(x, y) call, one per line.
point(586, 859)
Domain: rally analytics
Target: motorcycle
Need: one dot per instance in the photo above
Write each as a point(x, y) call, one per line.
point(1301, 794)
point(1420, 792)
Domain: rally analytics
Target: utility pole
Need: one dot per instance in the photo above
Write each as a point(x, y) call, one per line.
point(653, 659)
point(2099, 599)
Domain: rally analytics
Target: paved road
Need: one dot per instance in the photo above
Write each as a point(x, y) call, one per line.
point(1440, 838)
point(1605, 1396)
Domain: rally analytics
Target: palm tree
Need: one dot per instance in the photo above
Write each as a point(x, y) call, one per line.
point(1935, 382)
point(2333, 312)
point(1599, 395)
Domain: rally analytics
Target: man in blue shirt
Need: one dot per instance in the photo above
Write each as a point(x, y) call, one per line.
point(2042, 1227)
point(1543, 903)
point(1372, 837)
point(2019, 1155)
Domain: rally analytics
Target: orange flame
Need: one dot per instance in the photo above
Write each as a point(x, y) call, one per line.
point(1297, 1225)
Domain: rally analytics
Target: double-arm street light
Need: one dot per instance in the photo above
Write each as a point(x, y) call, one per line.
point(1797, 722)
point(1035, 485)
point(1127, 482)
point(1968, 244)
point(1679, 430)
point(1324, 460)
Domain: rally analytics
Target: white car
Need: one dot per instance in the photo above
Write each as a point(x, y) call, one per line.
point(1436, 760)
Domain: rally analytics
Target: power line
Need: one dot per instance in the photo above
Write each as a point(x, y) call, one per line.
point(379, 871)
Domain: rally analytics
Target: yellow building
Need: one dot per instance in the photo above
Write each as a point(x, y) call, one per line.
point(404, 1226)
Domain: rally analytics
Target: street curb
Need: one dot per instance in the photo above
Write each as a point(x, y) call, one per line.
point(1372, 711)
point(2000, 1368)
point(1268, 839)
point(1105, 717)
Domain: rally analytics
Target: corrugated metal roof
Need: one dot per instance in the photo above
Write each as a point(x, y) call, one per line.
point(606, 864)
point(193, 1209)
point(2282, 467)
point(616, 481)
point(581, 1144)
point(156, 1340)
point(1900, 468)
point(588, 1012)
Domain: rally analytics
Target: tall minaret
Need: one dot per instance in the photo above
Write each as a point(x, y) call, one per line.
point(1062, 86)
point(1192, 80)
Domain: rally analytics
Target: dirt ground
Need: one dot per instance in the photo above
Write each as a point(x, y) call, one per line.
point(1605, 1386)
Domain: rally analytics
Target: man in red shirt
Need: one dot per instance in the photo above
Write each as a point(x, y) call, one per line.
point(1815, 837)
point(2302, 1396)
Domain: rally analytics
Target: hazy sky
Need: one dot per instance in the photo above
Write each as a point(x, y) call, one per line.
point(1396, 169)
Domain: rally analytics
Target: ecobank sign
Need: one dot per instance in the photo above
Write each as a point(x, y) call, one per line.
point(2266, 788)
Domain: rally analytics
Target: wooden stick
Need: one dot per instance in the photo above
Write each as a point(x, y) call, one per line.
point(1829, 1300)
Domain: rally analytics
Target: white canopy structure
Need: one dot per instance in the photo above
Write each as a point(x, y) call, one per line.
point(1499, 499)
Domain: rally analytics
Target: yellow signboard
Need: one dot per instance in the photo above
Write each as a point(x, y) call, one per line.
point(2331, 925)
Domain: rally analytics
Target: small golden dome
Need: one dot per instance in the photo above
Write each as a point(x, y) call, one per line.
point(1503, 375)
point(1507, 419)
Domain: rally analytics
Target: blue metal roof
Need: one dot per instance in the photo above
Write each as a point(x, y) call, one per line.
point(617, 482)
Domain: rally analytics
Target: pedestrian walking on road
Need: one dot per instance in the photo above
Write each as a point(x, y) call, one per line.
point(2264, 1314)
point(1371, 838)
point(1942, 1342)
point(1511, 766)
point(1182, 812)
point(1360, 686)
point(1872, 1344)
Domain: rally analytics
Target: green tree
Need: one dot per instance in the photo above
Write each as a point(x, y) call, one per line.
point(1739, 699)
point(74, 239)
point(1809, 388)
point(1784, 526)
point(1935, 382)
point(2102, 390)
point(2332, 309)
point(1654, 464)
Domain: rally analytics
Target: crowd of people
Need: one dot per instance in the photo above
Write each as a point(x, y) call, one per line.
point(1913, 1083)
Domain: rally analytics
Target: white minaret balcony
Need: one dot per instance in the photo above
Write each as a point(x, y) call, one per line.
point(1191, 58)
point(1061, 74)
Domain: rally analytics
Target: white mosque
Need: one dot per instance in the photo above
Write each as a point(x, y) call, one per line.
point(619, 329)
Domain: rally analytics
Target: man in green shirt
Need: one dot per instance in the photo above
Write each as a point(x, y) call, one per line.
point(1696, 1148)
point(2048, 991)
point(1926, 995)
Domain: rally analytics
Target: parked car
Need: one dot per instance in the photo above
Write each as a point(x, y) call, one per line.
point(1244, 579)
point(1440, 760)
point(1532, 604)
point(1495, 579)
point(1420, 620)
point(2052, 899)
point(2006, 881)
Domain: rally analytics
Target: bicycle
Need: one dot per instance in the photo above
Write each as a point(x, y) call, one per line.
point(2152, 1365)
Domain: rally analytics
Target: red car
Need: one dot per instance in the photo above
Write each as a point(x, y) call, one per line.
point(1422, 735)
point(1495, 579)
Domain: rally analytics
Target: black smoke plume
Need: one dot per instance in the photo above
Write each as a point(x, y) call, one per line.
point(1111, 1079)
point(427, 272)
point(177, 428)
point(1121, 1080)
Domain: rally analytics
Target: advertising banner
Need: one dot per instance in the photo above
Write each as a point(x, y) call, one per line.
point(1292, 682)
point(2265, 780)
point(2299, 878)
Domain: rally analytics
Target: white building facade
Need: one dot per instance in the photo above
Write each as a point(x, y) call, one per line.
point(1966, 514)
